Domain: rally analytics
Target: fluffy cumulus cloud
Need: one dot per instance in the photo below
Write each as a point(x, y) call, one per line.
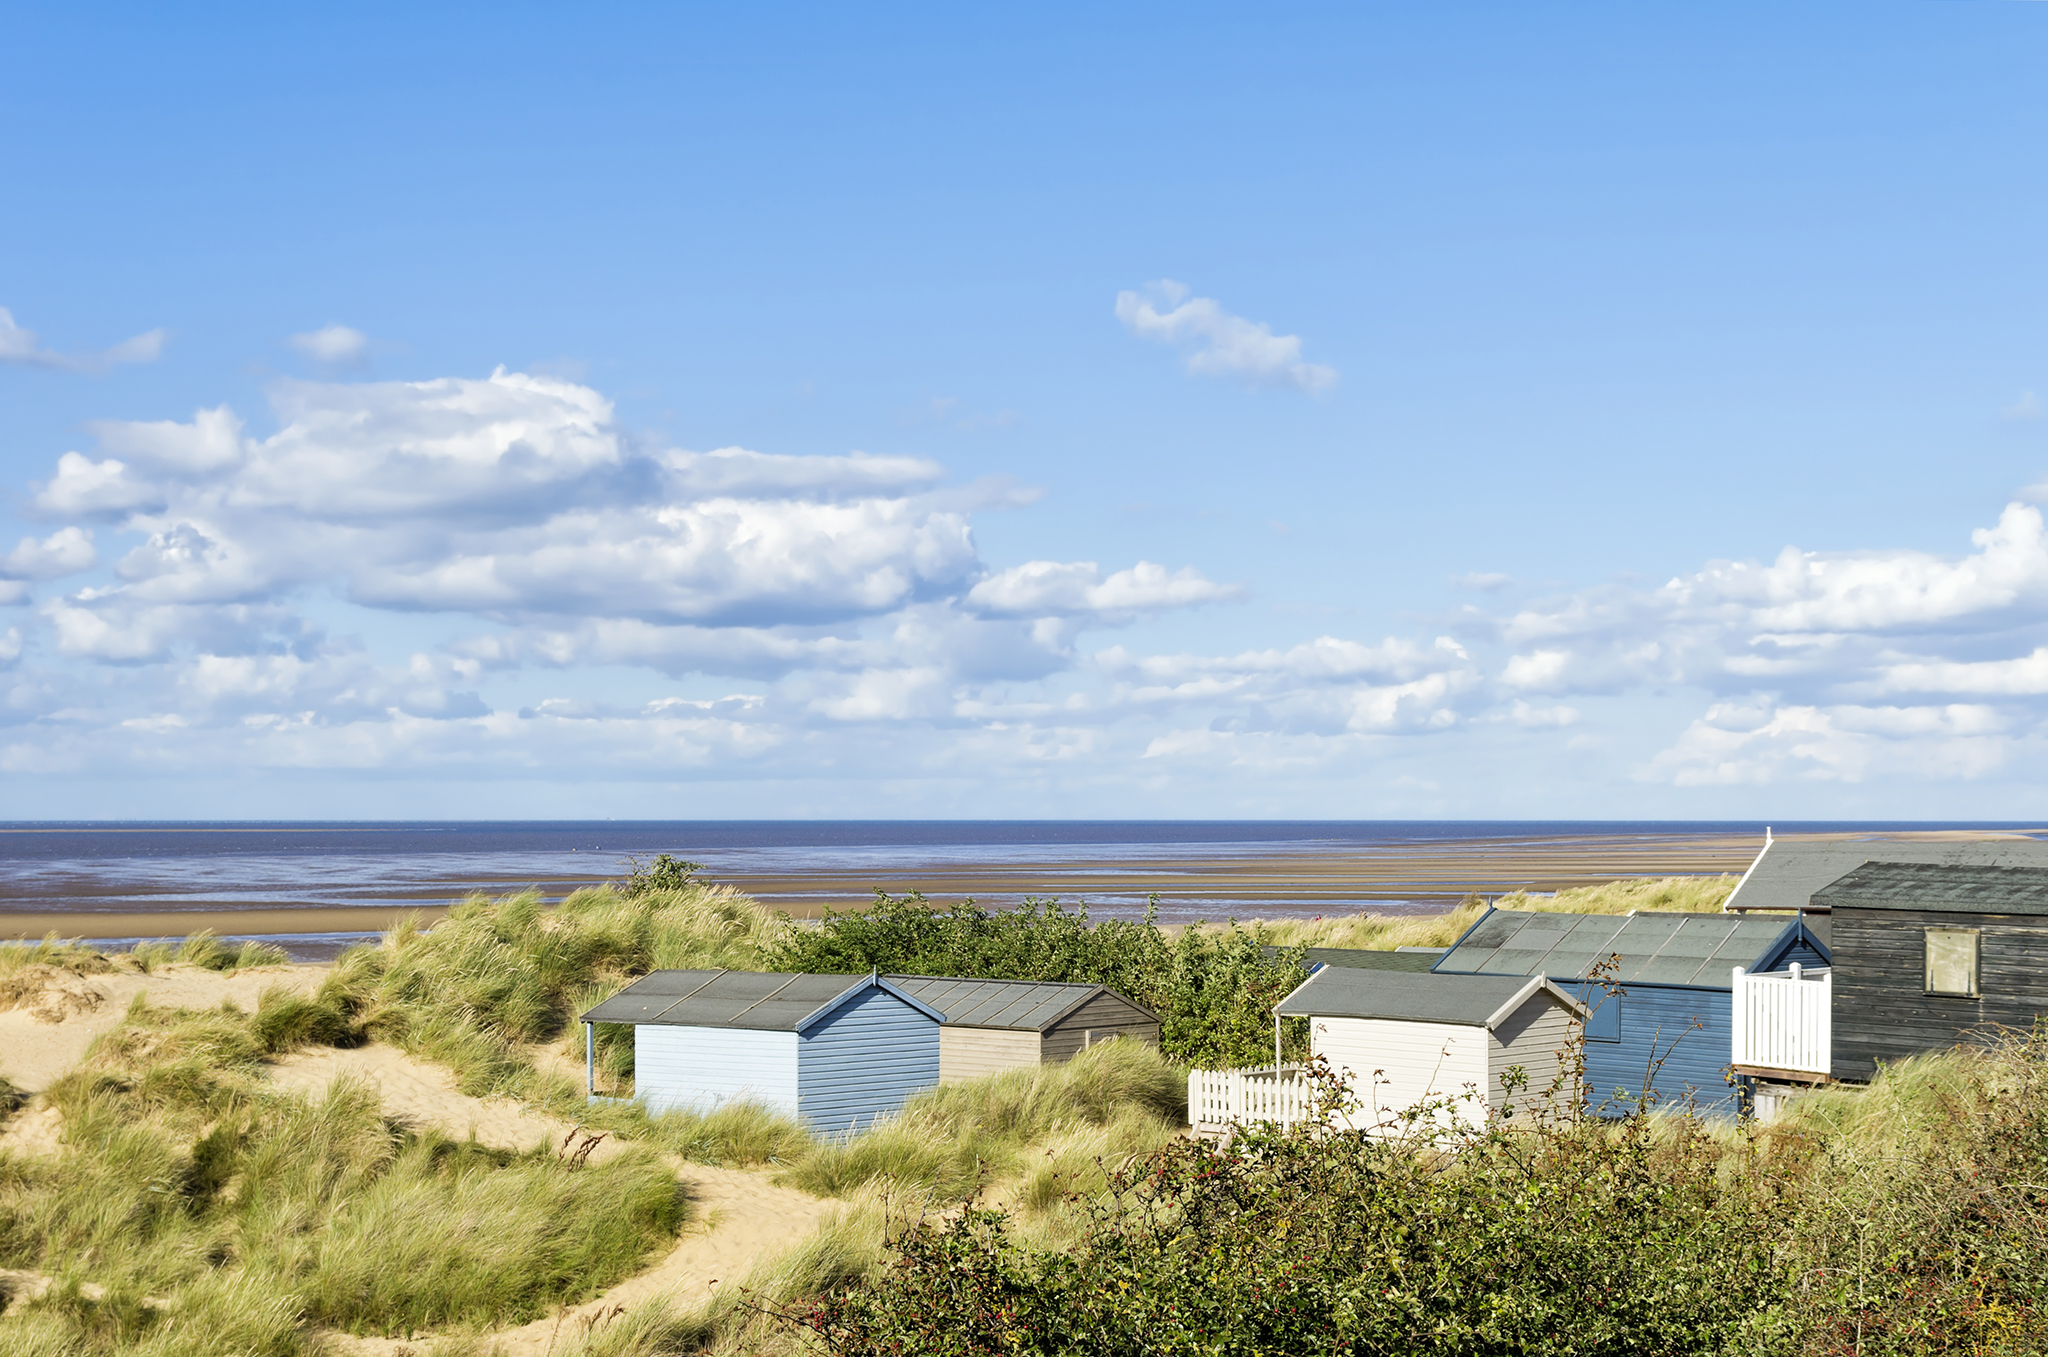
point(487, 577)
point(194, 564)
point(21, 347)
point(1832, 666)
point(1217, 343)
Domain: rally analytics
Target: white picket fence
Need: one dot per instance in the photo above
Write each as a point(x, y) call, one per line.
point(1220, 1098)
point(1782, 1020)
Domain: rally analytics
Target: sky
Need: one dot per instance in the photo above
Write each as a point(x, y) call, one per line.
point(1362, 411)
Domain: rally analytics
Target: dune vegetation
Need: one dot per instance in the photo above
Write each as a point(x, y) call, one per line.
point(195, 1208)
point(1383, 932)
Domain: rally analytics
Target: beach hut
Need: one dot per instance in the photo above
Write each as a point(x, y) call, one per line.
point(1927, 955)
point(1669, 1030)
point(1400, 1038)
point(833, 1051)
point(1787, 872)
point(995, 1025)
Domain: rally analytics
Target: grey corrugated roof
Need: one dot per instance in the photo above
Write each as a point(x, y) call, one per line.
point(758, 1001)
point(1366, 959)
point(1655, 949)
point(1021, 1005)
point(1933, 886)
point(1349, 992)
point(1788, 871)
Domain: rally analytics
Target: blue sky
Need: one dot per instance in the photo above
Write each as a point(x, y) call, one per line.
point(1370, 411)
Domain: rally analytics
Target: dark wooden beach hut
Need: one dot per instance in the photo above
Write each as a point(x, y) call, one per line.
point(1927, 955)
point(993, 1025)
point(1787, 872)
point(1667, 1032)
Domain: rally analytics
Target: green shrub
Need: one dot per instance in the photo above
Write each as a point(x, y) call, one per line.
point(1561, 1238)
point(1213, 990)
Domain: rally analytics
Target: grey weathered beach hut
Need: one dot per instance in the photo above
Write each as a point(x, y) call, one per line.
point(1669, 1032)
point(833, 1051)
point(1787, 872)
point(1402, 1037)
point(993, 1025)
point(1927, 955)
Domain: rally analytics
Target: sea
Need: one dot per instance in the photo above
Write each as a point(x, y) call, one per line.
point(1196, 868)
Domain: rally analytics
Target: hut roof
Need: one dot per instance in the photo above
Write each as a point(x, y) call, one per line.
point(1655, 949)
point(1464, 1000)
point(760, 1001)
point(1788, 872)
point(1937, 887)
point(1019, 1005)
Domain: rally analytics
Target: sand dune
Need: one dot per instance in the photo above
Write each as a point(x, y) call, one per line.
point(737, 1217)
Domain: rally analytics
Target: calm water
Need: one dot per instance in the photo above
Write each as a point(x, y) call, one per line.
point(135, 867)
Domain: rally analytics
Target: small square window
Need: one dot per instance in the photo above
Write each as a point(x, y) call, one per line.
point(1952, 961)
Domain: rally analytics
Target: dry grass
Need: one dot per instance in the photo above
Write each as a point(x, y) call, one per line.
point(1384, 932)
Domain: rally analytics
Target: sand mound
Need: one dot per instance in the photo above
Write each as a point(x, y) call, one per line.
point(66, 1012)
point(424, 1096)
point(739, 1217)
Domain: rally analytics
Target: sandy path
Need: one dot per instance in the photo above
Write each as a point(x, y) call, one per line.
point(739, 1217)
point(35, 1052)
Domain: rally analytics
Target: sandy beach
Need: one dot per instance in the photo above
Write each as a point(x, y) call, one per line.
point(1245, 882)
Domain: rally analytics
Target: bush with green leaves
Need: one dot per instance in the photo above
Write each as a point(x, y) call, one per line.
point(1213, 990)
point(1565, 1237)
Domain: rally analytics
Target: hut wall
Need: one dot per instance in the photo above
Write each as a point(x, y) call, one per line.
point(861, 1062)
point(1881, 1011)
point(1392, 1065)
point(1656, 1022)
point(1107, 1017)
point(1535, 1036)
point(698, 1068)
point(970, 1052)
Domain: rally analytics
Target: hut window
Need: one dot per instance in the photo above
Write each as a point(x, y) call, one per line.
point(1604, 1022)
point(1952, 961)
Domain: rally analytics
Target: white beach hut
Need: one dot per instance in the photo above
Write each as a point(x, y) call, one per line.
point(1402, 1038)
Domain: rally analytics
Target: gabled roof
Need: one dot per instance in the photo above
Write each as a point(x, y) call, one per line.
point(1698, 950)
point(1788, 871)
point(759, 1001)
point(1463, 1000)
point(1932, 886)
point(1366, 959)
point(1018, 1005)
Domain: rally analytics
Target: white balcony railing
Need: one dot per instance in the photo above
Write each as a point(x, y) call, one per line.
point(1219, 1098)
point(1782, 1021)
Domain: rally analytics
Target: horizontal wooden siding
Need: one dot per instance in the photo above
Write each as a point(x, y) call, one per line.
point(1107, 1018)
point(970, 1052)
point(1392, 1065)
point(863, 1061)
point(1537, 1037)
point(1657, 1024)
point(698, 1068)
point(1880, 1009)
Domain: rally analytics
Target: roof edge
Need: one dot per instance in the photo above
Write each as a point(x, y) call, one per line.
point(1522, 995)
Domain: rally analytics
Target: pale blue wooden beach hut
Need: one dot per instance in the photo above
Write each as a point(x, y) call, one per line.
point(1666, 1033)
point(833, 1051)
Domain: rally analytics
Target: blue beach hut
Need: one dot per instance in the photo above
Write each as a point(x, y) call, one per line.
point(833, 1051)
point(1675, 981)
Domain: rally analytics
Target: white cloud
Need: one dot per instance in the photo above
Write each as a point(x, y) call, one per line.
point(335, 345)
point(64, 552)
point(1066, 588)
point(1220, 344)
point(20, 346)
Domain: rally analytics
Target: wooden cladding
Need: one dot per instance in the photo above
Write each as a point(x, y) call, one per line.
point(1903, 981)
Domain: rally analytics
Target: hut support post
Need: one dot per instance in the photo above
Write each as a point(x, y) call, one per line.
point(590, 1059)
point(1276, 1045)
